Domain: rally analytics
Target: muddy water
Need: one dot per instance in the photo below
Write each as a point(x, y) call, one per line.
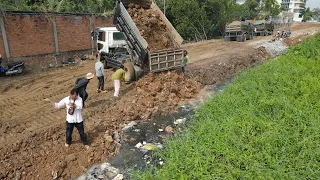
point(133, 158)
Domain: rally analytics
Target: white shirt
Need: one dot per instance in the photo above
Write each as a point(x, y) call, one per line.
point(77, 116)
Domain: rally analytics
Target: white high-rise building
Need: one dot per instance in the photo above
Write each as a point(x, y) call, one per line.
point(293, 6)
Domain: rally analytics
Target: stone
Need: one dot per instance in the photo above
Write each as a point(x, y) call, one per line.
point(108, 138)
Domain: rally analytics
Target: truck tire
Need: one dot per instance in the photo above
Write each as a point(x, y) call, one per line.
point(105, 63)
point(130, 74)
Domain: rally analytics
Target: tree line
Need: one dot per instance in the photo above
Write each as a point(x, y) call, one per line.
point(193, 19)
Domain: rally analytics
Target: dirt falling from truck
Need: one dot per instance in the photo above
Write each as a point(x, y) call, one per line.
point(151, 27)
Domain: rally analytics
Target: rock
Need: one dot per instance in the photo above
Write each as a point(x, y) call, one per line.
point(169, 129)
point(108, 139)
point(118, 177)
point(180, 121)
point(116, 137)
point(58, 170)
point(129, 126)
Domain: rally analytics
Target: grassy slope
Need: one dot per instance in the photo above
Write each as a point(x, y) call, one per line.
point(265, 125)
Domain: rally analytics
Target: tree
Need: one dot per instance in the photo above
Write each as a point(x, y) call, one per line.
point(307, 14)
point(77, 6)
point(271, 7)
point(316, 14)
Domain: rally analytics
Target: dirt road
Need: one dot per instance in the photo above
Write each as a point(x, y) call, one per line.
point(33, 132)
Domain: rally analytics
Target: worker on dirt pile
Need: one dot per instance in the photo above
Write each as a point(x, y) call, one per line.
point(283, 34)
point(73, 105)
point(289, 33)
point(99, 67)
point(81, 87)
point(117, 77)
point(186, 61)
point(278, 35)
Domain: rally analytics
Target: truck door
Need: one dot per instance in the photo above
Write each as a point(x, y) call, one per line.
point(103, 44)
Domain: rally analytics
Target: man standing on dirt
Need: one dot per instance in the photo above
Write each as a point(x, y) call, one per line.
point(73, 105)
point(81, 87)
point(186, 61)
point(99, 67)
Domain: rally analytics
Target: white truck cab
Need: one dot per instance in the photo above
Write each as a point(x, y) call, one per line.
point(109, 38)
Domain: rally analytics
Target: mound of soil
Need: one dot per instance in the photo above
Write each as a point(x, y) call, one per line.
point(215, 72)
point(157, 94)
point(151, 27)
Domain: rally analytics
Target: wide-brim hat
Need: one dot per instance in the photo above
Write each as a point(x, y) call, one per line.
point(90, 76)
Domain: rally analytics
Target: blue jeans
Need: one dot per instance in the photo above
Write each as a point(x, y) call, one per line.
point(80, 128)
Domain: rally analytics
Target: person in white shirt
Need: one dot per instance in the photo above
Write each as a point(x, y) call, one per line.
point(73, 105)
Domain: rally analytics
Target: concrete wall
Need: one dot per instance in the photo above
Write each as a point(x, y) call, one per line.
point(34, 36)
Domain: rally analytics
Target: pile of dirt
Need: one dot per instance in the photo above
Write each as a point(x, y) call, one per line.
point(151, 26)
point(215, 72)
point(157, 94)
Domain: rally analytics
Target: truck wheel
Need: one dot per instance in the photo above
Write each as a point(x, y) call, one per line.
point(130, 74)
point(106, 65)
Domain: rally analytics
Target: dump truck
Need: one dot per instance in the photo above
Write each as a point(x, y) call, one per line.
point(239, 31)
point(138, 48)
point(263, 28)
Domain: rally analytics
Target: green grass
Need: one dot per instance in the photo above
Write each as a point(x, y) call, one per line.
point(265, 125)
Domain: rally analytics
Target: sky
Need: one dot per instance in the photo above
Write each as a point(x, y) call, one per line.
point(310, 3)
point(313, 4)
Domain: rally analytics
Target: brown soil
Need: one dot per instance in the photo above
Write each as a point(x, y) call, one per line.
point(33, 133)
point(151, 27)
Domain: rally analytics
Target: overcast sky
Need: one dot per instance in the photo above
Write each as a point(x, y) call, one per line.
point(313, 3)
point(310, 3)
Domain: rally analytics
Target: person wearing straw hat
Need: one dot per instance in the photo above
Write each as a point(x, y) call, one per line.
point(81, 87)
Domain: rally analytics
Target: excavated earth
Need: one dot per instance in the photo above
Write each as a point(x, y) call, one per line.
point(151, 27)
point(33, 132)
